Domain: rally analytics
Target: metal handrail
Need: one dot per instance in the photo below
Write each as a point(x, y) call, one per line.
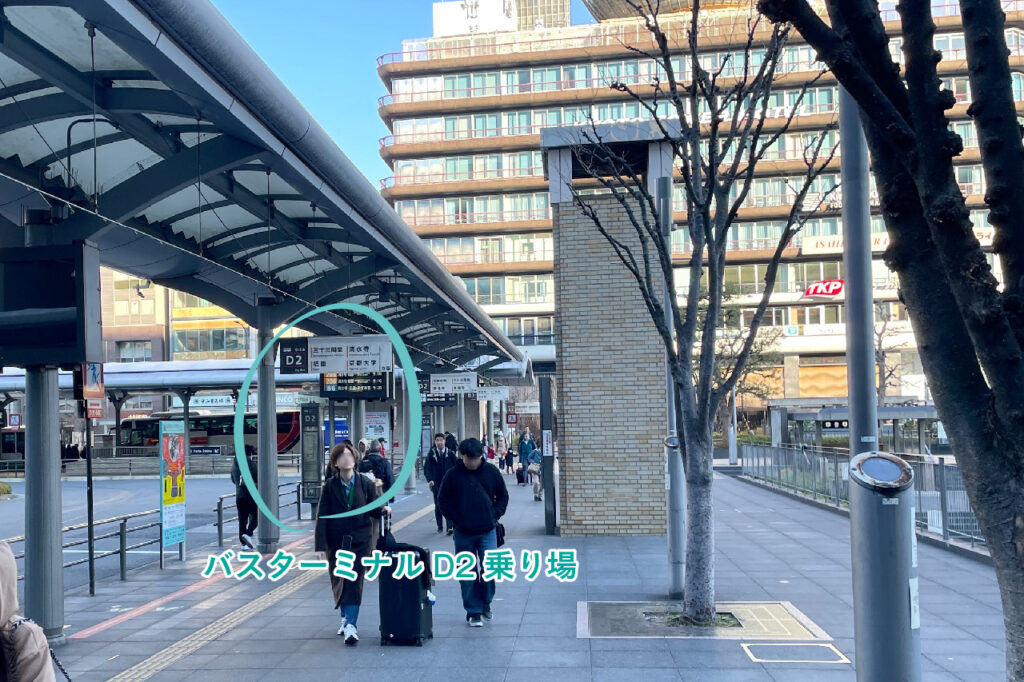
point(462, 176)
point(219, 523)
point(478, 217)
point(121, 533)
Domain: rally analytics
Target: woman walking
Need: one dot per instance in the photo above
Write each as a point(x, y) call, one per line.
point(342, 492)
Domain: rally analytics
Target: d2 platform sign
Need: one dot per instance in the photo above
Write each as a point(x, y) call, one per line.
point(337, 354)
point(172, 482)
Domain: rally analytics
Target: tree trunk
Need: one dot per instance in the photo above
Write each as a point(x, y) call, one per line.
point(699, 585)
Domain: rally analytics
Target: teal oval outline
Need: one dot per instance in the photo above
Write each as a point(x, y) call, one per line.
point(415, 415)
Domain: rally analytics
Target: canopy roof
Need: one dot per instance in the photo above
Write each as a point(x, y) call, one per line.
point(201, 172)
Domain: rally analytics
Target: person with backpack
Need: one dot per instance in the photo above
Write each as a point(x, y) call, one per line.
point(474, 497)
point(374, 463)
point(24, 651)
point(248, 515)
point(346, 491)
point(438, 462)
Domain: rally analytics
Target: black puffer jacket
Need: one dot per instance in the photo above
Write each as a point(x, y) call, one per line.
point(473, 500)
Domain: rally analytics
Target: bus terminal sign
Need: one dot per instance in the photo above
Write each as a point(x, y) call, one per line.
point(459, 382)
point(336, 354)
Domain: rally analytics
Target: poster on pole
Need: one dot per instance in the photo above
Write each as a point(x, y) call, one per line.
point(376, 425)
point(172, 482)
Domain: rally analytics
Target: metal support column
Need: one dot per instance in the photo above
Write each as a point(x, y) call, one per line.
point(44, 556)
point(117, 400)
point(547, 444)
point(90, 508)
point(410, 434)
point(883, 543)
point(460, 417)
point(733, 454)
point(860, 324)
point(676, 480)
point(356, 421)
point(332, 437)
point(266, 429)
point(438, 420)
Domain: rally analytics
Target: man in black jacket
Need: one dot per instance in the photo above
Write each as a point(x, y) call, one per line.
point(244, 502)
point(473, 497)
point(438, 462)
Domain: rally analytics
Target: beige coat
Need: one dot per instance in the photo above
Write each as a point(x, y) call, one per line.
point(29, 642)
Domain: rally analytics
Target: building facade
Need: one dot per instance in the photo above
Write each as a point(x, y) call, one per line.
point(465, 112)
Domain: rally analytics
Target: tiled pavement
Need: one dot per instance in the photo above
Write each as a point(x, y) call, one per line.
point(768, 548)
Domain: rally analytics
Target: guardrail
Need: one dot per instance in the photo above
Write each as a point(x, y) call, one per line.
point(220, 508)
point(941, 508)
point(121, 533)
point(124, 530)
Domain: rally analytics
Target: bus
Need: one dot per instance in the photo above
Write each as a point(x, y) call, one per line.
point(207, 428)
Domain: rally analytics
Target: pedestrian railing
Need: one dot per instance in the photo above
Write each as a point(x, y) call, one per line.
point(122, 532)
point(219, 523)
point(942, 507)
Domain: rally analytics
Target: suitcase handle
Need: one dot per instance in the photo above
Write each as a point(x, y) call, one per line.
point(385, 524)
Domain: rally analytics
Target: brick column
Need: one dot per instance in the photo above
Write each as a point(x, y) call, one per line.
point(611, 382)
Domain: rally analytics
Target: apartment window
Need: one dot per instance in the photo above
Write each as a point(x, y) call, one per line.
point(135, 351)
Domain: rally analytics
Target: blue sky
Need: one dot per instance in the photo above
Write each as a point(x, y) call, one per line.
point(326, 52)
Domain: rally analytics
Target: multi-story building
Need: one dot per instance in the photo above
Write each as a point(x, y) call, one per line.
point(465, 110)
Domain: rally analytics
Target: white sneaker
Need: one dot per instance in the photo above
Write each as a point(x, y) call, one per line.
point(351, 636)
point(248, 541)
point(341, 630)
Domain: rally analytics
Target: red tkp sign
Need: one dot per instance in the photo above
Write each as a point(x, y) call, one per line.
point(826, 287)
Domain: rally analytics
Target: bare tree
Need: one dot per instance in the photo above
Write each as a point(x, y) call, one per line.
point(969, 330)
point(886, 345)
point(727, 124)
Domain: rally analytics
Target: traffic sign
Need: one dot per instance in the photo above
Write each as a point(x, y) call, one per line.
point(15, 420)
point(511, 418)
point(94, 408)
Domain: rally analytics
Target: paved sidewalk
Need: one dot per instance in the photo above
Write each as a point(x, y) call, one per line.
point(769, 548)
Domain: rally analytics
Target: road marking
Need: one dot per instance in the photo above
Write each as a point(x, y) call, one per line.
point(195, 641)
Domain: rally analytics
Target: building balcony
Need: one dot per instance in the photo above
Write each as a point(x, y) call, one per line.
point(602, 40)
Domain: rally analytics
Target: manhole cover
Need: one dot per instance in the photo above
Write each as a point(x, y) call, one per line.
point(743, 620)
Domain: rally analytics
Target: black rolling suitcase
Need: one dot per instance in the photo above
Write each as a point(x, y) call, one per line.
point(406, 614)
point(520, 475)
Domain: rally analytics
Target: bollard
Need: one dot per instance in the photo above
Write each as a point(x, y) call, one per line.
point(123, 536)
point(887, 616)
point(220, 522)
point(298, 502)
point(836, 480)
point(943, 501)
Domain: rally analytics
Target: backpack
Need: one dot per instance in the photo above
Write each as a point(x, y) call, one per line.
point(374, 464)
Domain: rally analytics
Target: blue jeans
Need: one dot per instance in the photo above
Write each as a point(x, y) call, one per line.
point(476, 594)
point(350, 612)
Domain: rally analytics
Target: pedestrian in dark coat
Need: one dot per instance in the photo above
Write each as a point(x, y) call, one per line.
point(248, 516)
point(474, 497)
point(438, 462)
point(341, 493)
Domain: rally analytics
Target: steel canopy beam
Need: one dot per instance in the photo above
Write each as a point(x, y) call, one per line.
point(145, 188)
